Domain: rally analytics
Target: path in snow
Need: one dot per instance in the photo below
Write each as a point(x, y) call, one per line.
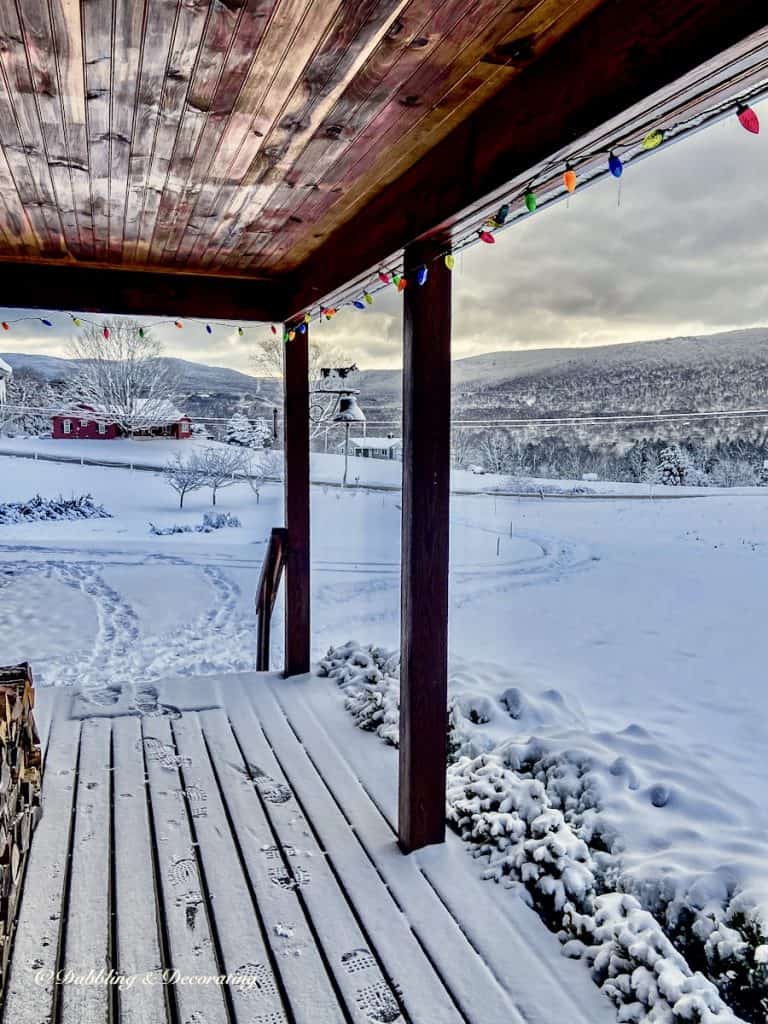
point(197, 615)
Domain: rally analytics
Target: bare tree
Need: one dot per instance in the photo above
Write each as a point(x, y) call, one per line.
point(463, 444)
point(31, 401)
point(222, 467)
point(268, 361)
point(264, 466)
point(184, 474)
point(121, 373)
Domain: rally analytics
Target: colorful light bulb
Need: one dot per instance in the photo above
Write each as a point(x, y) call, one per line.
point(307, 318)
point(368, 299)
point(6, 325)
point(384, 277)
point(653, 139)
point(615, 166)
point(240, 331)
point(530, 201)
point(291, 335)
point(402, 284)
point(748, 118)
point(178, 323)
point(358, 304)
point(208, 329)
point(105, 332)
point(76, 321)
point(450, 260)
point(486, 236)
point(302, 328)
point(502, 213)
point(569, 179)
point(273, 329)
point(141, 332)
point(396, 279)
point(421, 275)
point(47, 323)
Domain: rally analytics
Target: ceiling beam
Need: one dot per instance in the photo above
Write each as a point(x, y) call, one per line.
point(615, 58)
point(94, 289)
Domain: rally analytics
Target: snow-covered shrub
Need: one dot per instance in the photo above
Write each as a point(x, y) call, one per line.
point(372, 694)
point(536, 814)
point(211, 521)
point(38, 509)
point(637, 966)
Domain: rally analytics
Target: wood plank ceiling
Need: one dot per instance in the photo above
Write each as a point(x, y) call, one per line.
point(213, 135)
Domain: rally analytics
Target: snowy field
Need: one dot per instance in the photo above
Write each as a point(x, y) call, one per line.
point(632, 629)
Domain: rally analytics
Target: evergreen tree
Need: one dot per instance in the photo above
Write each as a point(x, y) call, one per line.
point(673, 466)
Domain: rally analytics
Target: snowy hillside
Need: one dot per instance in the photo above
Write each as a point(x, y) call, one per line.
point(195, 377)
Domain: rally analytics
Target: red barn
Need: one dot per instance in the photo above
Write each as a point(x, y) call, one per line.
point(86, 422)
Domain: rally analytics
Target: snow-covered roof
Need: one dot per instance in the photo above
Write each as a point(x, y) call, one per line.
point(376, 442)
point(161, 411)
point(155, 412)
point(5, 369)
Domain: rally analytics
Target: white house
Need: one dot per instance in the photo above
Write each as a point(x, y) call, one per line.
point(5, 375)
point(375, 447)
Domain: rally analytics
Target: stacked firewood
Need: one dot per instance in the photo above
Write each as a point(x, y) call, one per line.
point(20, 772)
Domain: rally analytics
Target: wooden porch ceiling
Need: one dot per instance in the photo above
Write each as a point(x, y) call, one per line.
point(295, 143)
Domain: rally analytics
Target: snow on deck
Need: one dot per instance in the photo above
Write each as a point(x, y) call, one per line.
point(210, 827)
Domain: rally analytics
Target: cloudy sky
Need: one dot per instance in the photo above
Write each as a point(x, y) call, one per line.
point(685, 252)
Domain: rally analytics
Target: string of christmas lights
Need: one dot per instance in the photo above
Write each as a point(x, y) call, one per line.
point(522, 203)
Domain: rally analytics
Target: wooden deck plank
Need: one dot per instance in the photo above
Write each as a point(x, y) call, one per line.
point(346, 948)
point(36, 943)
point(243, 951)
point(87, 934)
point(136, 904)
point(423, 993)
point(476, 990)
point(269, 857)
point(191, 950)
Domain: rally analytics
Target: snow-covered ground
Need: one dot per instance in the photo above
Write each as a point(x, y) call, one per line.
point(328, 468)
point(632, 629)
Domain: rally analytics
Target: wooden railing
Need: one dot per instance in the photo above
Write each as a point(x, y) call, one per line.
point(266, 595)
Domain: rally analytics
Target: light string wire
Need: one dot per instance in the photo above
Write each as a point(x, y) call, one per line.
point(360, 295)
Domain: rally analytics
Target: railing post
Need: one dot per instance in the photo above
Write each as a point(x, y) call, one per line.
point(296, 483)
point(424, 579)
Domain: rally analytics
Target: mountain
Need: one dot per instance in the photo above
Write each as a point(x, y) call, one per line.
point(710, 372)
point(196, 378)
point(719, 371)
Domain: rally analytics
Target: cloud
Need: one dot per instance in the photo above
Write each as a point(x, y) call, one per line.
point(684, 251)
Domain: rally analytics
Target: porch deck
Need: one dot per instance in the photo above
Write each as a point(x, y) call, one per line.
point(210, 827)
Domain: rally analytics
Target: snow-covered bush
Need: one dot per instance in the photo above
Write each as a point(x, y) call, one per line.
point(211, 521)
point(371, 695)
point(38, 509)
point(535, 813)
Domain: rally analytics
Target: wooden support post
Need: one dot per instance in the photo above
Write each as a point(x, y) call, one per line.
point(296, 482)
point(424, 582)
